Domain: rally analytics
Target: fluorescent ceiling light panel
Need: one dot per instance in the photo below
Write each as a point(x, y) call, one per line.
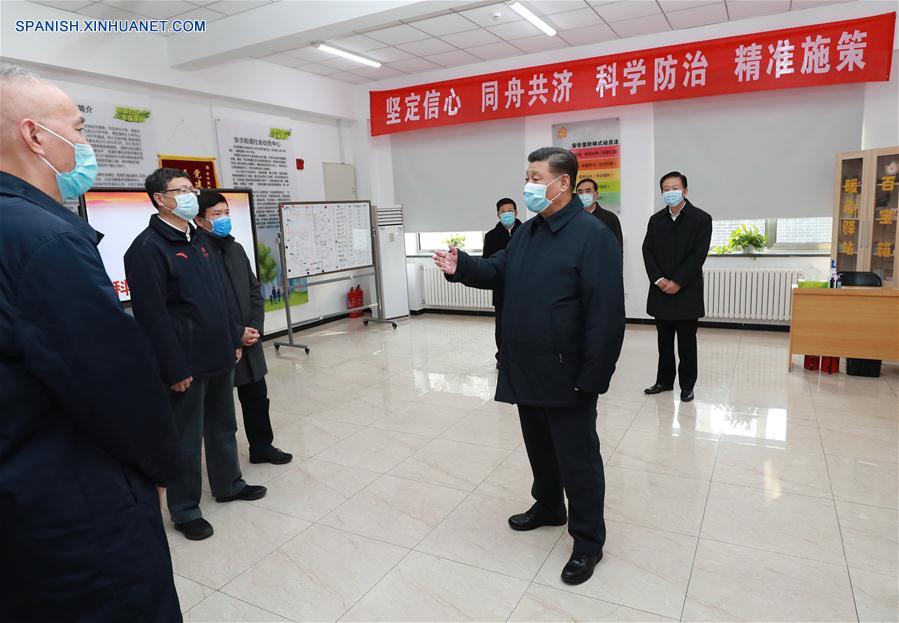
point(348, 55)
point(536, 21)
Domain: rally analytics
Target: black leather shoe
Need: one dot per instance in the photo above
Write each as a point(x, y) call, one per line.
point(657, 389)
point(531, 521)
point(580, 568)
point(247, 494)
point(270, 455)
point(686, 395)
point(195, 530)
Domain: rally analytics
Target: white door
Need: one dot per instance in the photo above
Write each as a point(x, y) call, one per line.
point(340, 182)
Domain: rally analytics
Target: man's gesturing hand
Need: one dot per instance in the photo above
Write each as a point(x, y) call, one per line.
point(447, 261)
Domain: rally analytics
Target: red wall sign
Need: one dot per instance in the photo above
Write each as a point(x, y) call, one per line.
point(858, 50)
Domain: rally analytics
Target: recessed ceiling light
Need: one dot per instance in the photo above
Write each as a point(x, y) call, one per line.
point(349, 55)
point(536, 21)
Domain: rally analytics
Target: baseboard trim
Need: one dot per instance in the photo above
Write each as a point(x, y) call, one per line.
point(707, 324)
point(310, 325)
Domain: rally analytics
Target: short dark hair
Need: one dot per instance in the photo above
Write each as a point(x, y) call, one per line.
point(561, 161)
point(159, 180)
point(505, 201)
point(668, 176)
point(208, 199)
point(588, 179)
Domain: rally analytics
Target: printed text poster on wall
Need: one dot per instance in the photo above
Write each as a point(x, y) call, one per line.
point(597, 146)
point(851, 51)
point(259, 156)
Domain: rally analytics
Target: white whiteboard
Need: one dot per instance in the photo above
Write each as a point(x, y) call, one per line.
point(326, 237)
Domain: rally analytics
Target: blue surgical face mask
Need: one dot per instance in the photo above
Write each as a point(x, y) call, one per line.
point(586, 199)
point(188, 207)
point(535, 196)
point(72, 184)
point(221, 226)
point(673, 198)
point(507, 218)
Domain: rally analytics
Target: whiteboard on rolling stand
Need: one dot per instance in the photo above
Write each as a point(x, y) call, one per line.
point(390, 250)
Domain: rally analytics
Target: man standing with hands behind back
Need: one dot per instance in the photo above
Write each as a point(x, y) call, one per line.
point(674, 250)
point(495, 241)
point(563, 325)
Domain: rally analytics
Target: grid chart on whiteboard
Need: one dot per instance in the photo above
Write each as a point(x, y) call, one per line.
point(326, 238)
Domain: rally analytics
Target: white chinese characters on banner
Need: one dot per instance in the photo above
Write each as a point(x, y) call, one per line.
point(785, 57)
point(489, 95)
point(562, 86)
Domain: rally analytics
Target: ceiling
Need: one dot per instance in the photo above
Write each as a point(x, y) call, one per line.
point(469, 32)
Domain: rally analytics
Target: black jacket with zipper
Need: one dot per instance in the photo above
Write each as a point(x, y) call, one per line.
point(178, 297)
point(563, 318)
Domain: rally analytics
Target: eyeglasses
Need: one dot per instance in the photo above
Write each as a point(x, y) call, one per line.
point(184, 190)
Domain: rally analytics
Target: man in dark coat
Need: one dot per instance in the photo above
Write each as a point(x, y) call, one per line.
point(674, 250)
point(495, 241)
point(178, 298)
point(245, 302)
point(85, 428)
point(588, 192)
point(563, 326)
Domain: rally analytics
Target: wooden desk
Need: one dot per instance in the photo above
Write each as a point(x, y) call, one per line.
point(853, 322)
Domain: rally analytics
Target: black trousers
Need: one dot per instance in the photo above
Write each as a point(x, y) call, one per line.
point(498, 333)
point(257, 423)
point(685, 330)
point(204, 417)
point(563, 449)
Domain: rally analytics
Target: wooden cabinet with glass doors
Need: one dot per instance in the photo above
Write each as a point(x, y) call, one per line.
point(866, 212)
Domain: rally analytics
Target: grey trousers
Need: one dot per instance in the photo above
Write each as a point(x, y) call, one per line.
point(204, 415)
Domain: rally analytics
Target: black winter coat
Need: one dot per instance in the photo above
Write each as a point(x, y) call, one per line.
point(178, 297)
point(611, 220)
point(676, 250)
point(563, 320)
point(244, 296)
point(495, 241)
point(85, 430)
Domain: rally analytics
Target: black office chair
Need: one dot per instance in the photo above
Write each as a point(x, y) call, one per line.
point(860, 278)
point(854, 366)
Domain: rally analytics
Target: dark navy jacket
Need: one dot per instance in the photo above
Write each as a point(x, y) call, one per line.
point(178, 298)
point(85, 429)
point(563, 320)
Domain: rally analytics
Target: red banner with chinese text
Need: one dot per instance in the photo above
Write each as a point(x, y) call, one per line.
point(858, 50)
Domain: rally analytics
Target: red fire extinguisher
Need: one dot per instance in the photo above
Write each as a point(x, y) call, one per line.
point(354, 300)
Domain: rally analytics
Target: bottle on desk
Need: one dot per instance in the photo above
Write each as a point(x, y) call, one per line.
point(834, 275)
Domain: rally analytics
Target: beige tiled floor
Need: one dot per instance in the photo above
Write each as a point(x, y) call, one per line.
point(772, 497)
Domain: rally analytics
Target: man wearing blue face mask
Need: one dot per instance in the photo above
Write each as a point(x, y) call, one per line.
point(495, 241)
point(244, 299)
point(674, 250)
point(563, 326)
point(85, 428)
point(177, 295)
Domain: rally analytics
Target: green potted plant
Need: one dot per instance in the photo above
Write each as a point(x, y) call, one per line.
point(744, 239)
point(456, 240)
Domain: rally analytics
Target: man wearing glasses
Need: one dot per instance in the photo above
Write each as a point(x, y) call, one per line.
point(177, 297)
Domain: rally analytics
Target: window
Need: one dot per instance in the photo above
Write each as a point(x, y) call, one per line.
point(721, 230)
point(800, 233)
point(431, 241)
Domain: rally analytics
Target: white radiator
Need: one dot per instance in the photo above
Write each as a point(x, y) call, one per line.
point(730, 294)
point(441, 293)
point(749, 293)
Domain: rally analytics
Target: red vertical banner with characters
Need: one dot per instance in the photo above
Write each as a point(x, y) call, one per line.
point(201, 170)
point(597, 146)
